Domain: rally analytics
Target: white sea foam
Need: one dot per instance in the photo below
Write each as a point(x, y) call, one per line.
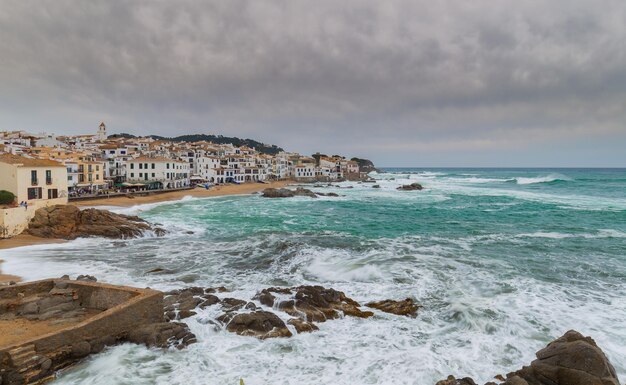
point(542, 179)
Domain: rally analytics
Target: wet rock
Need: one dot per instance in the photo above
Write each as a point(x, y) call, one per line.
point(411, 187)
point(453, 381)
point(261, 324)
point(70, 222)
point(407, 307)
point(330, 194)
point(303, 326)
point(163, 335)
point(376, 186)
point(160, 270)
point(287, 193)
point(569, 360)
point(233, 304)
point(314, 303)
point(180, 304)
point(88, 278)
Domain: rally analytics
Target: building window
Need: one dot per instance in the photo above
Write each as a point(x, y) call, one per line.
point(132, 174)
point(89, 168)
point(97, 167)
point(34, 193)
point(81, 178)
point(153, 166)
point(48, 177)
point(132, 166)
point(97, 176)
point(33, 177)
point(53, 193)
point(90, 178)
point(140, 166)
point(145, 165)
point(153, 175)
point(140, 174)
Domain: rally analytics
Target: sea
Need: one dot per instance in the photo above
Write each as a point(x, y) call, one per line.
point(502, 260)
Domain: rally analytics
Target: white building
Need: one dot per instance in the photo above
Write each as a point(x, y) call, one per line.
point(158, 172)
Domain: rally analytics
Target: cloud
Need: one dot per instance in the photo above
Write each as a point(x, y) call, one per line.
point(321, 75)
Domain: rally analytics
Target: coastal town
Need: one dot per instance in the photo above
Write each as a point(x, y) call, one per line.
point(40, 170)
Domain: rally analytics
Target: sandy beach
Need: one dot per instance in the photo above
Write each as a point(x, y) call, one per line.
point(231, 189)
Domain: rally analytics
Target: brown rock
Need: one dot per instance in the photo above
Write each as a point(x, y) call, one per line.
point(410, 187)
point(163, 335)
point(69, 222)
point(406, 307)
point(569, 360)
point(313, 303)
point(260, 324)
point(303, 326)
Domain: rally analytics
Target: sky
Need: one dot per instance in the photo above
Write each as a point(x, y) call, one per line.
point(488, 83)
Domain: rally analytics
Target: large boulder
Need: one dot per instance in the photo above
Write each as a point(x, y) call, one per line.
point(569, 360)
point(406, 307)
point(261, 324)
point(70, 222)
point(410, 187)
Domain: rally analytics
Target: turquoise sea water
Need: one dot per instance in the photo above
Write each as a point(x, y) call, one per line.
point(503, 261)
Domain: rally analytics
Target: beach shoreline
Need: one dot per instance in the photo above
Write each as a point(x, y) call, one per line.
point(223, 190)
point(23, 239)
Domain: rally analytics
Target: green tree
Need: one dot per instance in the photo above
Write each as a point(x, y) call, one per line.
point(6, 197)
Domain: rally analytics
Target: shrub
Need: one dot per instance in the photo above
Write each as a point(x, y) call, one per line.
point(6, 197)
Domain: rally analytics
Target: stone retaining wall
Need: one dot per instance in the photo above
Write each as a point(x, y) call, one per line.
point(121, 310)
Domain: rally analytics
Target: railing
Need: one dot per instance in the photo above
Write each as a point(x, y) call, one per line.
point(34, 182)
point(48, 181)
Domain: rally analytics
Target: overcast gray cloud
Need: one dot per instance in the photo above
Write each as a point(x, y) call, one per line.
point(447, 83)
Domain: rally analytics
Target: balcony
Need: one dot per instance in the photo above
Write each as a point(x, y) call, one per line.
point(48, 181)
point(34, 182)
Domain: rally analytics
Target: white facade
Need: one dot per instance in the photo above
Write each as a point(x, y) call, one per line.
point(168, 172)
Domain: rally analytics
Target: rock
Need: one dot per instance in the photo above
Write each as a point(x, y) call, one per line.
point(81, 349)
point(261, 324)
point(233, 304)
point(160, 270)
point(88, 278)
point(410, 187)
point(569, 360)
point(314, 303)
point(303, 326)
point(66, 277)
point(453, 381)
point(376, 186)
point(406, 307)
point(330, 194)
point(286, 193)
point(163, 335)
point(180, 304)
point(69, 222)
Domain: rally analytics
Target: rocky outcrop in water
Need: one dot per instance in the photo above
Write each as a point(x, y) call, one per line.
point(406, 307)
point(261, 324)
point(569, 360)
point(410, 187)
point(69, 222)
point(287, 193)
point(306, 305)
point(312, 303)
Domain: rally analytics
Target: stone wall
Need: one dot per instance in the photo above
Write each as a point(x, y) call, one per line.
point(119, 309)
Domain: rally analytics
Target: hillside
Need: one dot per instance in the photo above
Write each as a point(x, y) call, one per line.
point(264, 148)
